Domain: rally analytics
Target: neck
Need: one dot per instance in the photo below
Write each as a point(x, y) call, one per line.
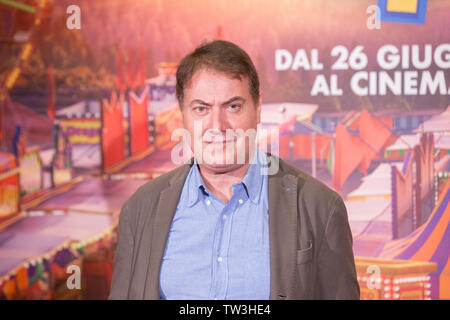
point(220, 182)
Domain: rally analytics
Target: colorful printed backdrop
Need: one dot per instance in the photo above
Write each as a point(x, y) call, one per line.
point(355, 93)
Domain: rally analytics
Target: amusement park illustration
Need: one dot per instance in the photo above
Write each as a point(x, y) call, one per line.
point(88, 112)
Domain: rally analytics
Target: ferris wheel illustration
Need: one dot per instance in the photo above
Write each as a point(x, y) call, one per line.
point(19, 22)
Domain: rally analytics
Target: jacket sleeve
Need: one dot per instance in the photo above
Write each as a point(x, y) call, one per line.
point(336, 264)
point(122, 257)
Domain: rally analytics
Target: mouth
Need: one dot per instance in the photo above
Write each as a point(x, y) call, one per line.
point(219, 141)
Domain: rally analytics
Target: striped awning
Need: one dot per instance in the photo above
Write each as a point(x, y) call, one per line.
point(430, 242)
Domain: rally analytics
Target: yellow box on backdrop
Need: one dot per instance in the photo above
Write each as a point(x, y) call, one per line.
point(406, 6)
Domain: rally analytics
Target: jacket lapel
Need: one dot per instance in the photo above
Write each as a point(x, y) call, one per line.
point(162, 221)
point(283, 234)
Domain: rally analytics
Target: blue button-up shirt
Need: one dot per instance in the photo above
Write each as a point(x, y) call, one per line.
point(217, 250)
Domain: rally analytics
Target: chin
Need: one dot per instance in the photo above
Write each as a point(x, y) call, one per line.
point(221, 167)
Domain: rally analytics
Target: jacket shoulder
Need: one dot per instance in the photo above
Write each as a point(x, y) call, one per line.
point(151, 189)
point(310, 188)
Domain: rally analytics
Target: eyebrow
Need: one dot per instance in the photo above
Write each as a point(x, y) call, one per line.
point(198, 101)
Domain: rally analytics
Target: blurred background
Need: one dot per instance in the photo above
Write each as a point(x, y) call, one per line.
point(87, 108)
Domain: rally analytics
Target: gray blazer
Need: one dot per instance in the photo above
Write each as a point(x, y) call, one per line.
point(311, 254)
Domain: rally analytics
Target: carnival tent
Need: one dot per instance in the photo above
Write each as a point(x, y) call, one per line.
point(369, 211)
point(430, 242)
point(291, 119)
point(437, 123)
point(370, 223)
point(36, 127)
point(404, 142)
point(375, 185)
point(81, 109)
point(407, 142)
point(442, 141)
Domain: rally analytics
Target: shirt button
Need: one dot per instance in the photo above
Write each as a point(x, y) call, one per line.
point(219, 259)
point(208, 202)
point(241, 201)
point(224, 217)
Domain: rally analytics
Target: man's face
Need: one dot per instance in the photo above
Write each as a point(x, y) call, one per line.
point(220, 116)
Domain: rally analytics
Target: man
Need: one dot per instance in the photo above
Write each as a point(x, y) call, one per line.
point(220, 226)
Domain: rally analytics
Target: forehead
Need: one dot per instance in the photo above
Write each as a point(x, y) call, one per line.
point(213, 84)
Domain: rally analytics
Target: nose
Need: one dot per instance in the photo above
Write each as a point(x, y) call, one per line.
point(217, 120)
point(216, 125)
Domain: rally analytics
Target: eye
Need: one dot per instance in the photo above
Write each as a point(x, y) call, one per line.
point(234, 107)
point(200, 109)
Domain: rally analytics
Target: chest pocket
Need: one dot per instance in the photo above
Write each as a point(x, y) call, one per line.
point(305, 255)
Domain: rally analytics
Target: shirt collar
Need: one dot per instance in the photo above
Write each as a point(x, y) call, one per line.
point(254, 177)
point(196, 185)
point(252, 181)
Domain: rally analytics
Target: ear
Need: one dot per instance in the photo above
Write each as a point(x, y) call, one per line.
point(258, 108)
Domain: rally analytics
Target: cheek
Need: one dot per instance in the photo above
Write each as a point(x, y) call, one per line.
point(187, 120)
point(244, 122)
point(196, 132)
point(191, 125)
